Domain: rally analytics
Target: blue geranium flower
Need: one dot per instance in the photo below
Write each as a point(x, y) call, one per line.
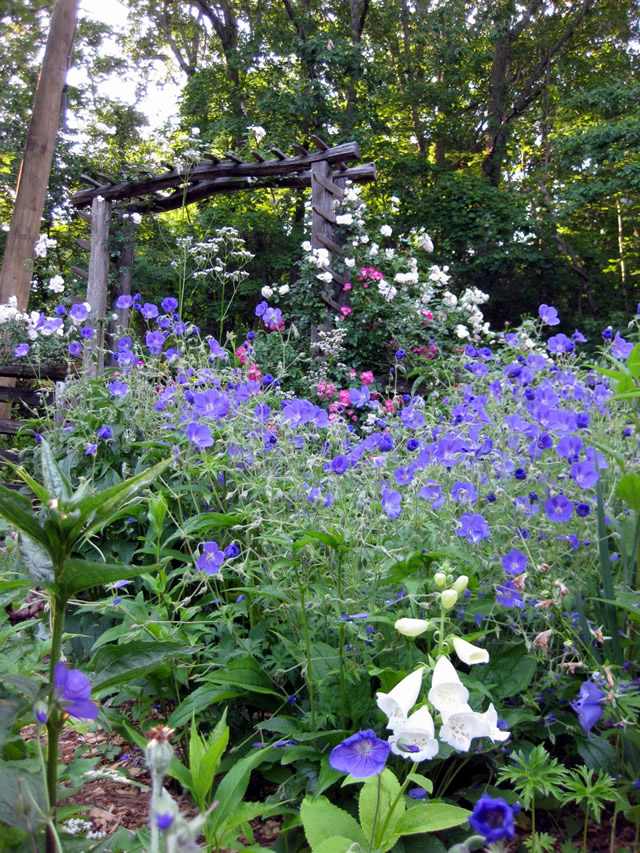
point(493, 818)
point(588, 705)
point(362, 755)
point(548, 314)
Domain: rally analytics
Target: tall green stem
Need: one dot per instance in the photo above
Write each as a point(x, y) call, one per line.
point(54, 722)
point(307, 648)
point(376, 812)
point(393, 805)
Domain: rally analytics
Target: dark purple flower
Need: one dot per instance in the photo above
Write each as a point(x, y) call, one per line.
point(362, 755)
point(548, 315)
point(105, 432)
point(588, 705)
point(21, 350)
point(231, 551)
point(164, 821)
point(579, 337)
point(400, 354)
point(339, 464)
point(558, 508)
point(607, 333)
point(72, 690)
point(493, 818)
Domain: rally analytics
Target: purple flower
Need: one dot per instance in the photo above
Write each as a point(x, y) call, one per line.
point(79, 313)
point(578, 337)
point(105, 432)
point(262, 412)
point(124, 301)
point(164, 821)
point(339, 464)
point(73, 689)
point(118, 389)
point(493, 818)
point(473, 527)
point(559, 344)
point(464, 492)
point(211, 558)
point(60, 310)
point(548, 315)
point(620, 348)
point(149, 311)
point(361, 397)
point(231, 551)
point(558, 508)
point(515, 562)
point(400, 354)
point(215, 349)
point(21, 350)
point(584, 474)
point(87, 332)
point(362, 755)
point(169, 304)
point(155, 342)
point(261, 307)
point(90, 448)
point(588, 705)
point(508, 595)
point(432, 492)
point(199, 435)
point(392, 503)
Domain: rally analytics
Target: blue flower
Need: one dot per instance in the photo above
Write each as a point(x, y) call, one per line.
point(548, 315)
point(515, 562)
point(164, 821)
point(211, 558)
point(362, 755)
point(123, 302)
point(493, 818)
point(155, 342)
point(169, 304)
point(118, 389)
point(558, 508)
point(21, 350)
point(400, 354)
point(199, 435)
point(391, 503)
point(339, 464)
point(73, 689)
point(588, 705)
point(473, 527)
point(149, 311)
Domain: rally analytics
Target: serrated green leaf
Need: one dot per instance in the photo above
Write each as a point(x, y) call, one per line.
point(78, 575)
point(35, 559)
point(628, 490)
point(322, 821)
point(17, 510)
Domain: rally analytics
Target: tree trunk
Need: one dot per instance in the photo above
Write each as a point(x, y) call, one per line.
point(31, 190)
point(496, 136)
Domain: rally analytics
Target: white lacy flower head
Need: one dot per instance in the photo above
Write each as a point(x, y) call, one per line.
point(410, 277)
point(386, 231)
point(439, 276)
point(416, 738)
point(448, 694)
point(398, 702)
point(56, 284)
point(468, 653)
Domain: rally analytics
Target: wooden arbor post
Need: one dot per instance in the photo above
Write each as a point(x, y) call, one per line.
point(97, 285)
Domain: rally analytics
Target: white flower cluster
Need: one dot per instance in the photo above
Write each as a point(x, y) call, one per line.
point(414, 736)
point(386, 290)
point(318, 257)
point(422, 240)
point(331, 343)
point(56, 284)
point(268, 292)
point(43, 244)
point(439, 276)
point(78, 826)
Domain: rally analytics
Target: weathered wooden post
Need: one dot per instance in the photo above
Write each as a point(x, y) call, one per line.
point(97, 285)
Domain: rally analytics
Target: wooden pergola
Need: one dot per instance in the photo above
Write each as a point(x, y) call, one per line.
point(323, 169)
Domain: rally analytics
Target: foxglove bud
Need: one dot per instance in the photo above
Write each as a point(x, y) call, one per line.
point(460, 584)
point(440, 580)
point(411, 627)
point(448, 599)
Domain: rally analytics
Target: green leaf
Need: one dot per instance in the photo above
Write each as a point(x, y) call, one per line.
point(35, 559)
point(322, 821)
point(335, 844)
point(367, 808)
point(430, 817)
point(633, 362)
point(209, 520)
point(17, 787)
point(508, 673)
point(597, 753)
point(54, 480)
point(418, 561)
point(78, 575)
point(17, 510)
point(245, 673)
point(310, 536)
point(215, 746)
point(116, 665)
point(233, 788)
point(628, 490)
point(421, 780)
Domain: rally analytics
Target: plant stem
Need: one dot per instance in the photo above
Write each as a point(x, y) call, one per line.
point(586, 823)
point(54, 723)
point(307, 648)
point(393, 805)
point(375, 814)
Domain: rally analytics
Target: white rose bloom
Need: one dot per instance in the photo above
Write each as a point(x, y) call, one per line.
point(306, 246)
point(258, 131)
point(344, 219)
point(462, 332)
point(425, 242)
point(56, 284)
point(398, 702)
point(373, 250)
point(137, 218)
point(350, 262)
point(386, 231)
point(267, 292)
point(389, 253)
point(325, 276)
point(468, 653)
point(449, 299)
point(283, 289)
point(388, 291)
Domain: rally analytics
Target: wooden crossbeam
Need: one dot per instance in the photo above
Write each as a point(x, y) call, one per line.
point(9, 427)
point(329, 301)
point(300, 149)
point(86, 217)
point(328, 184)
point(210, 170)
point(330, 245)
point(235, 158)
point(206, 189)
point(278, 153)
point(89, 180)
point(106, 178)
point(328, 215)
point(84, 244)
point(80, 272)
point(258, 156)
point(211, 157)
point(319, 143)
point(338, 276)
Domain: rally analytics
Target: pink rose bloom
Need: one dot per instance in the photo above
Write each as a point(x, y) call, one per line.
point(366, 377)
point(427, 314)
point(345, 310)
point(352, 373)
point(347, 286)
point(344, 397)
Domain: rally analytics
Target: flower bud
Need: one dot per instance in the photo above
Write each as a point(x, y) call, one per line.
point(449, 579)
point(440, 580)
point(411, 627)
point(460, 584)
point(159, 751)
point(41, 712)
point(448, 599)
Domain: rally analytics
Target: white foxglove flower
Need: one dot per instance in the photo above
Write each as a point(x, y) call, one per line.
point(448, 694)
point(416, 739)
point(398, 702)
point(468, 653)
point(490, 720)
point(411, 627)
point(460, 728)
